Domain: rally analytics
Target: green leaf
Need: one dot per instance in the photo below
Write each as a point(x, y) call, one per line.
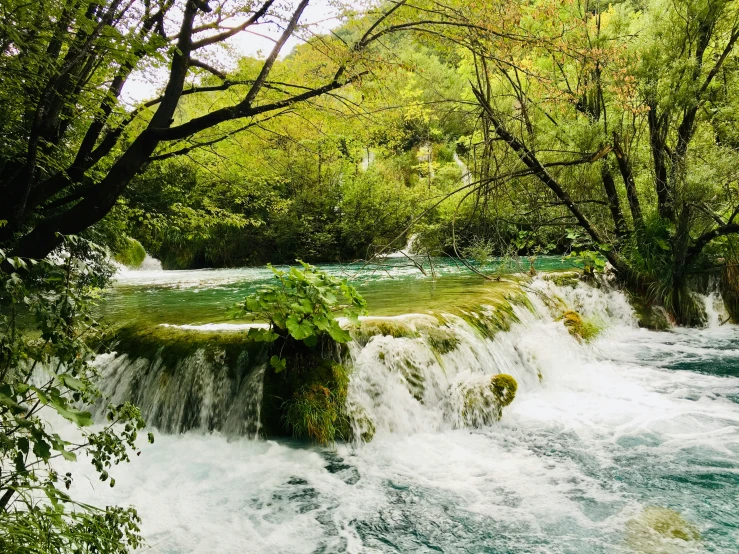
point(339, 334)
point(277, 363)
point(663, 244)
point(299, 329)
point(42, 449)
point(72, 382)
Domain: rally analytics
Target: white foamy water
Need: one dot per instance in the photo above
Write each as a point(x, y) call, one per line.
point(597, 433)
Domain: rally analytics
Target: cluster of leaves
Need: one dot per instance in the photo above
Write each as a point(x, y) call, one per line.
point(303, 304)
point(46, 329)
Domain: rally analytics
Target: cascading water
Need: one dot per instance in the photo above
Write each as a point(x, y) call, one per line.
point(626, 443)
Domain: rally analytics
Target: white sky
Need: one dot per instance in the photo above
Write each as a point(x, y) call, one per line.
point(319, 15)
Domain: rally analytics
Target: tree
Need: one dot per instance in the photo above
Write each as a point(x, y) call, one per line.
point(46, 370)
point(70, 147)
point(590, 107)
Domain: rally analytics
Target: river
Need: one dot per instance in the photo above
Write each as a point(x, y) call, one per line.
point(627, 443)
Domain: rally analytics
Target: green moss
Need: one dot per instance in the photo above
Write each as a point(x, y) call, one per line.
point(647, 532)
point(441, 339)
point(564, 278)
point(498, 313)
point(648, 315)
point(581, 329)
point(369, 328)
point(132, 254)
point(504, 388)
point(172, 345)
point(484, 405)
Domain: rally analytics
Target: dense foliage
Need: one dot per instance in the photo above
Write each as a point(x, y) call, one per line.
point(46, 329)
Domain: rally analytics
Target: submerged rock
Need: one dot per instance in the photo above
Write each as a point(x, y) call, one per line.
point(659, 530)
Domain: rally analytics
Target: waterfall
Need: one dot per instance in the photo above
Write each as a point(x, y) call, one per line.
point(466, 174)
point(612, 444)
point(408, 374)
point(406, 251)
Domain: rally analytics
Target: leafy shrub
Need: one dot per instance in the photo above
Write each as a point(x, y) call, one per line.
point(45, 332)
point(132, 254)
point(303, 305)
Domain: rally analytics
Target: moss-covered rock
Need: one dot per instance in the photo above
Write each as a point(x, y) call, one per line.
point(504, 388)
point(581, 329)
point(132, 254)
point(483, 403)
point(564, 278)
point(396, 328)
point(660, 530)
point(649, 315)
point(441, 339)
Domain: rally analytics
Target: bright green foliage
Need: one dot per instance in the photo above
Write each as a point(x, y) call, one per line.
point(303, 305)
point(45, 332)
point(132, 254)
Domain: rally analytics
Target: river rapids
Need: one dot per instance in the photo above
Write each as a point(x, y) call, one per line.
point(627, 443)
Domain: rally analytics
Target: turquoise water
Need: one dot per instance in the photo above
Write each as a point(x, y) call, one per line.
point(627, 444)
point(205, 296)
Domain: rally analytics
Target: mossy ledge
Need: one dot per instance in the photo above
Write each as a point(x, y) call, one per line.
point(307, 400)
point(395, 327)
point(497, 314)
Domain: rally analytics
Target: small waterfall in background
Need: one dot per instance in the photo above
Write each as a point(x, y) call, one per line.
point(466, 174)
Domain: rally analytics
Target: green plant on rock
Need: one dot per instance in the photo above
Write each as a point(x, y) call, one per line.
point(313, 413)
point(316, 410)
point(301, 310)
point(46, 328)
point(303, 305)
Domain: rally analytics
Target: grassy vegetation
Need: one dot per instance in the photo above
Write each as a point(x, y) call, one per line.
point(132, 253)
